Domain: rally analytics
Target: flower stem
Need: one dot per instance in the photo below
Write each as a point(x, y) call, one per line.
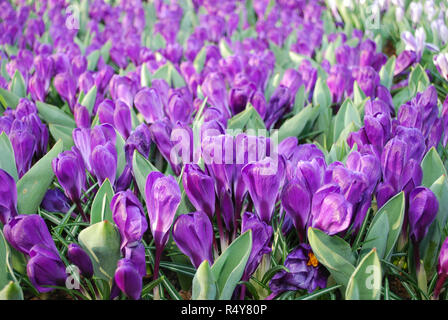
point(156, 271)
point(81, 211)
point(439, 286)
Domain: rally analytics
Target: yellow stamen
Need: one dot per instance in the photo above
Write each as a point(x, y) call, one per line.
point(313, 260)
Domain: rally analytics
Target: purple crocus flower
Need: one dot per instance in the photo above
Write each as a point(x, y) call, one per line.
point(296, 200)
point(82, 116)
point(404, 61)
point(262, 178)
point(137, 255)
point(199, 188)
point(128, 279)
point(279, 104)
point(55, 201)
point(129, 217)
point(305, 272)
point(442, 268)
point(162, 199)
point(122, 119)
point(24, 144)
point(25, 231)
point(331, 212)
point(193, 234)
point(103, 160)
point(8, 197)
point(423, 207)
point(81, 259)
point(45, 268)
point(140, 139)
point(261, 239)
point(65, 85)
point(149, 104)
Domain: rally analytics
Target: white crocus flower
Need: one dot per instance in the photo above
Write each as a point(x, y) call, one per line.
point(441, 62)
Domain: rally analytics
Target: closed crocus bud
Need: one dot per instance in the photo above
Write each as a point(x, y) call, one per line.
point(137, 255)
point(331, 212)
point(36, 87)
point(367, 78)
point(258, 101)
point(8, 197)
point(261, 240)
point(279, 104)
point(161, 135)
point(239, 97)
point(140, 139)
point(441, 63)
point(103, 160)
point(214, 88)
point(353, 184)
point(105, 111)
point(123, 88)
point(162, 199)
point(69, 169)
point(404, 61)
point(65, 85)
point(82, 116)
point(79, 65)
point(367, 164)
point(81, 259)
point(311, 173)
point(339, 81)
point(193, 234)
point(86, 81)
point(128, 279)
point(129, 217)
point(24, 144)
point(45, 268)
point(25, 231)
point(423, 207)
point(296, 200)
point(199, 188)
point(292, 80)
point(122, 119)
point(179, 107)
point(442, 268)
point(149, 104)
point(264, 179)
point(55, 201)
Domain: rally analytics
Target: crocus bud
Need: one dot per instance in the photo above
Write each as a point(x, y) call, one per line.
point(279, 104)
point(79, 65)
point(25, 231)
point(162, 199)
point(139, 139)
point(264, 179)
point(129, 217)
point(296, 200)
point(258, 101)
point(24, 144)
point(82, 116)
point(331, 212)
point(442, 268)
point(261, 239)
point(104, 162)
point(193, 234)
point(65, 85)
point(69, 169)
point(423, 207)
point(81, 259)
point(45, 268)
point(123, 88)
point(404, 61)
point(36, 87)
point(105, 111)
point(148, 103)
point(199, 188)
point(179, 108)
point(122, 119)
point(214, 88)
point(367, 78)
point(128, 279)
point(311, 173)
point(55, 201)
point(137, 255)
point(441, 62)
point(8, 197)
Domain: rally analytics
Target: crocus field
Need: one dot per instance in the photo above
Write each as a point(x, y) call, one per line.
point(234, 149)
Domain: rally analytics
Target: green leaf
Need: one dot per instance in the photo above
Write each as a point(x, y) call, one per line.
point(157, 42)
point(89, 100)
point(247, 119)
point(358, 95)
point(418, 80)
point(346, 115)
point(12, 291)
point(31, 188)
point(7, 159)
point(176, 78)
point(18, 86)
point(204, 283)
point(322, 95)
point(229, 267)
point(299, 100)
point(145, 76)
point(432, 167)
point(121, 157)
point(105, 49)
point(52, 114)
point(365, 282)
point(294, 127)
point(224, 48)
point(100, 209)
point(59, 132)
point(334, 253)
point(102, 242)
point(92, 60)
point(141, 168)
point(199, 61)
point(8, 99)
point(4, 279)
point(383, 233)
point(387, 72)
